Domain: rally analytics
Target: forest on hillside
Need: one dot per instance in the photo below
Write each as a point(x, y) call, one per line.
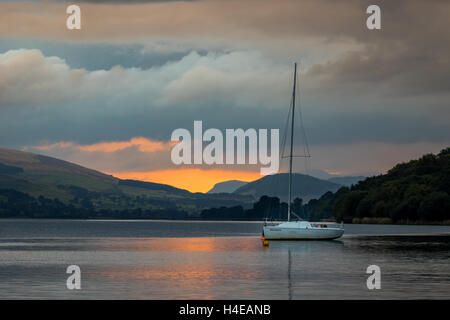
point(413, 192)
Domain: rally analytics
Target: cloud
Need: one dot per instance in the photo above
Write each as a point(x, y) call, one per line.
point(217, 78)
point(396, 69)
point(102, 56)
point(409, 54)
point(28, 76)
point(239, 89)
point(142, 144)
point(137, 153)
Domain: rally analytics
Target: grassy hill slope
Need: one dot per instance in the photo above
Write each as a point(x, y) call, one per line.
point(73, 185)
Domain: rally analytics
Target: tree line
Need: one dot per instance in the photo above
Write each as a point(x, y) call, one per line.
point(414, 192)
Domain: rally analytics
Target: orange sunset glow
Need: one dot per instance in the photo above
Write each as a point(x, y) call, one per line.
point(194, 180)
point(143, 145)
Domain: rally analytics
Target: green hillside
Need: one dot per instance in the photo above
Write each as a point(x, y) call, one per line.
point(414, 192)
point(30, 180)
point(40, 175)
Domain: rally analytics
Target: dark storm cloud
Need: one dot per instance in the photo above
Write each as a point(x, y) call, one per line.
point(409, 53)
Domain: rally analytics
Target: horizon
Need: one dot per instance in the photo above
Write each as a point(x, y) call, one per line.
point(204, 187)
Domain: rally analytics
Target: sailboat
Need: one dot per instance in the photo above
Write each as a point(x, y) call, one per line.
point(300, 229)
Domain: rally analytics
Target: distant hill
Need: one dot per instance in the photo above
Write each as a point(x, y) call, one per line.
point(30, 181)
point(232, 185)
point(227, 186)
point(346, 180)
point(303, 186)
point(411, 192)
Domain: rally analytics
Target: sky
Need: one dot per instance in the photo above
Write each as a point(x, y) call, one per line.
point(109, 96)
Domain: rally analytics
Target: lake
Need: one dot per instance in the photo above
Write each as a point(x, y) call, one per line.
point(217, 260)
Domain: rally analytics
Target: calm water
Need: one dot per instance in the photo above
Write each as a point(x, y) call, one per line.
point(217, 260)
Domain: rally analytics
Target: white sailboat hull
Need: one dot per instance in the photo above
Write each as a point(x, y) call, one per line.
point(300, 231)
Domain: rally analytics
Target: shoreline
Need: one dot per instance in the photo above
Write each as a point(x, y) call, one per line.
point(370, 221)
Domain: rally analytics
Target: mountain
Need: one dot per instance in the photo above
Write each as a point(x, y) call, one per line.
point(347, 181)
point(232, 185)
point(303, 186)
point(29, 181)
point(227, 186)
point(417, 191)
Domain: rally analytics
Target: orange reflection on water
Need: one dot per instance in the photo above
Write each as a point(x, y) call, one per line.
point(184, 244)
point(177, 272)
point(194, 265)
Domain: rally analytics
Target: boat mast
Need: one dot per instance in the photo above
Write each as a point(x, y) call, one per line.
point(292, 142)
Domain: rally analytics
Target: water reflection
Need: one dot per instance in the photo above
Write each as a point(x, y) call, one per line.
point(306, 246)
point(225, 268)
point(289, 275)
point(298, 251)
point(180, 244)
